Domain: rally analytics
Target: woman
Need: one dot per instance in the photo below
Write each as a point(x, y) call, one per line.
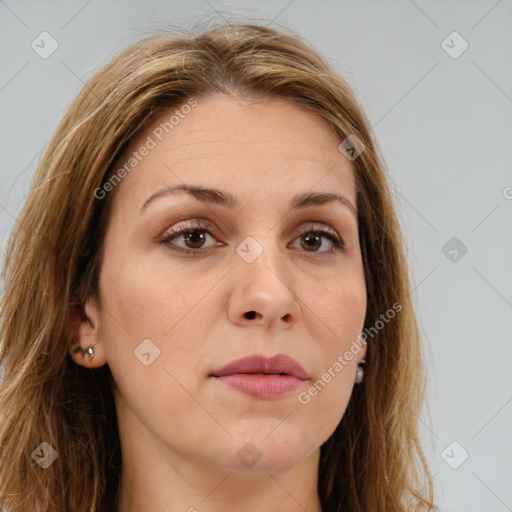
point(206, 259)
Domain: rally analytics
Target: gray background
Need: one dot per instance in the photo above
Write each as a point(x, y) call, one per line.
point(443, 125)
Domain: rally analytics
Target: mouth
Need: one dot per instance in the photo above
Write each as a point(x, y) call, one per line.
point(261, 377)
point(279, 364)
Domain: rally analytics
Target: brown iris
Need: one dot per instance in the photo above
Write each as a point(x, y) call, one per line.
point(195, 237)
point(311, 238)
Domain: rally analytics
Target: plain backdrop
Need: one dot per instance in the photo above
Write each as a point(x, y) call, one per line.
point(435, 80)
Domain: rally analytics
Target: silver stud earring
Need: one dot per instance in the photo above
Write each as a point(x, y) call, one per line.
point(90, 351)
point(360, 372)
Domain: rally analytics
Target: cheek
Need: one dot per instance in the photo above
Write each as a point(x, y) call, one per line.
point(324, 403)
point(328, 394)
point(162, 305)
point(149, 300)
point(341, 309)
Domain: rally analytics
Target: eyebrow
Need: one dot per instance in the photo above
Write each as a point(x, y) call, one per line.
point(216, 196)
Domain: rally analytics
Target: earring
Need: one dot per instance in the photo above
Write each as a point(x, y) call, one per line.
point(360, 372)
point(90, 351)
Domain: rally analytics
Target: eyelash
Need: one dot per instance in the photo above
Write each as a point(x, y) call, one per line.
point(183, 229)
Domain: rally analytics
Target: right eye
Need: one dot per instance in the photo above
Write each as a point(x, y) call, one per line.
point(194, 236)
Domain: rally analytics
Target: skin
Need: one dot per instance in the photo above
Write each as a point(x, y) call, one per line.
point(180, 429)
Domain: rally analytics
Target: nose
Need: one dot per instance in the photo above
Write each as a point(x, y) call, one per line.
point(263, 292)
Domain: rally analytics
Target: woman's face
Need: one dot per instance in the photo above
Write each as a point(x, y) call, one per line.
point(252, 278)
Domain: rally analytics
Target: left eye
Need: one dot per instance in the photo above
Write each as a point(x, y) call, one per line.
point(313, 238)
point(194, 239)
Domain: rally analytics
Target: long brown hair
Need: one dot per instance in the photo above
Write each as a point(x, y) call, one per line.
point(373, 460)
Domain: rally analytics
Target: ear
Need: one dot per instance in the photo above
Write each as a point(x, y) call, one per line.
point(83, 332)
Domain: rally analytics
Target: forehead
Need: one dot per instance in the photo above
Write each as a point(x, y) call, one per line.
point(250, 145)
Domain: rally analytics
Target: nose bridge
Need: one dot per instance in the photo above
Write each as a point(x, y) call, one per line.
point(261, 252)
point(263, 289)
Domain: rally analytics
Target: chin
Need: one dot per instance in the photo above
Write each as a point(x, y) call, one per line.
point(266, 453)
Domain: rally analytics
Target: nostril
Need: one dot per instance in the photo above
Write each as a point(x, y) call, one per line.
point(250, 315)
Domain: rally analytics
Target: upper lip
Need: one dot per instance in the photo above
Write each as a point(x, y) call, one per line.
point(277, 364)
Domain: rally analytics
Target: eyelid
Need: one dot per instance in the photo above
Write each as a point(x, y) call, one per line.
point(196, 223)
point(314, 226)
point(200, 223)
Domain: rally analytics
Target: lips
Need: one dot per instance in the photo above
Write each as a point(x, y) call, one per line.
point(262, 378)
point(258, 364)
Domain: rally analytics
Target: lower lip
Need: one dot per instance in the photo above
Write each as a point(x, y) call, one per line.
point(265, 387)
